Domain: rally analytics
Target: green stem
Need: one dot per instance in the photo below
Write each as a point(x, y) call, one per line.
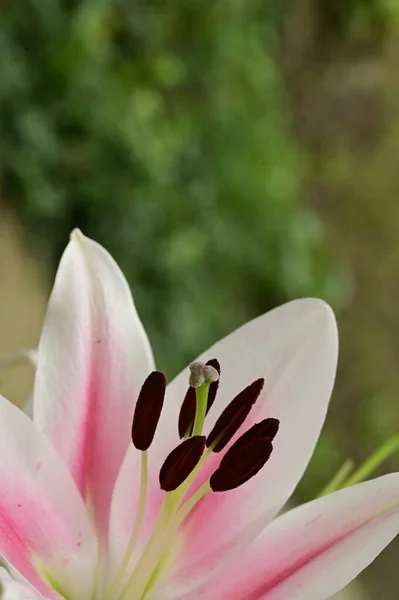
point(338, 480)
point(374, 461)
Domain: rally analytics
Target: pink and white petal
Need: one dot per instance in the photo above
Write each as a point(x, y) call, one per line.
point(311, 552)
point(295, 348)
point(43, 520)
point(93, 358)
point(123, 510)
point(11, 589)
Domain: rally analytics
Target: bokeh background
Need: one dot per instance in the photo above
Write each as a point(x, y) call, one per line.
point(232, 155)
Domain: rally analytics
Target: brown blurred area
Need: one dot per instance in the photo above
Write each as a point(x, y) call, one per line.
point(23, 300)
point(344, 103)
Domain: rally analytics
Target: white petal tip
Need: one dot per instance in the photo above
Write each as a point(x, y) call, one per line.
point(76, 235)
point(327, 314)
point(320, 309)
point(322, 317)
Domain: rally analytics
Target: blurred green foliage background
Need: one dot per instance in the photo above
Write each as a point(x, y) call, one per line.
point(163, 132)
point(232, 155)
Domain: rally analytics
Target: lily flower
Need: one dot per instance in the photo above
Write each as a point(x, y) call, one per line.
point(123, 488)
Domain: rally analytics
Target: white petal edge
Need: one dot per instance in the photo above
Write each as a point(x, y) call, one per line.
point(41, 511)
point(314, 551)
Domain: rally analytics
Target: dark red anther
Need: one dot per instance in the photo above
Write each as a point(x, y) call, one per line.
point(181, 462)
point(268, 428)
point(265, 430)
point(189, 406)
point(213, 388)
point(241, 462)
point(187, 412)
point(234, 416)
point(148, 410)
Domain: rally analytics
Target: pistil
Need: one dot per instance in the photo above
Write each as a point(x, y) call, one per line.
point(189, 407)
point(202, 399)
point(201, 377)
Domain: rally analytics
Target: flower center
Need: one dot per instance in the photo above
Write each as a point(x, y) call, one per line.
point(178, 474)
point(246, 456)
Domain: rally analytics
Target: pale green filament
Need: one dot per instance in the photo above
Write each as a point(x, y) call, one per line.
point(151, 563)
point(180, 516)
point(202, 404)
point(155, 548)
point(137, 524)
point(339, 479)
point(179, 494)
point(158, 571)
point(163, 536)
point(196, 497)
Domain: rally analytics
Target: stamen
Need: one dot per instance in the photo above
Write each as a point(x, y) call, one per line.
point(211, 374)
point(266, 429)
point(156, 546)
point(240, 463)
point(257, 433)
point(145, 420)
point(136, 527)
point(148, 410)
point(178, 472)
point(234, 416)
point(214, 386)
point(187, 413)
point(191, 502)
point(181, 462)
